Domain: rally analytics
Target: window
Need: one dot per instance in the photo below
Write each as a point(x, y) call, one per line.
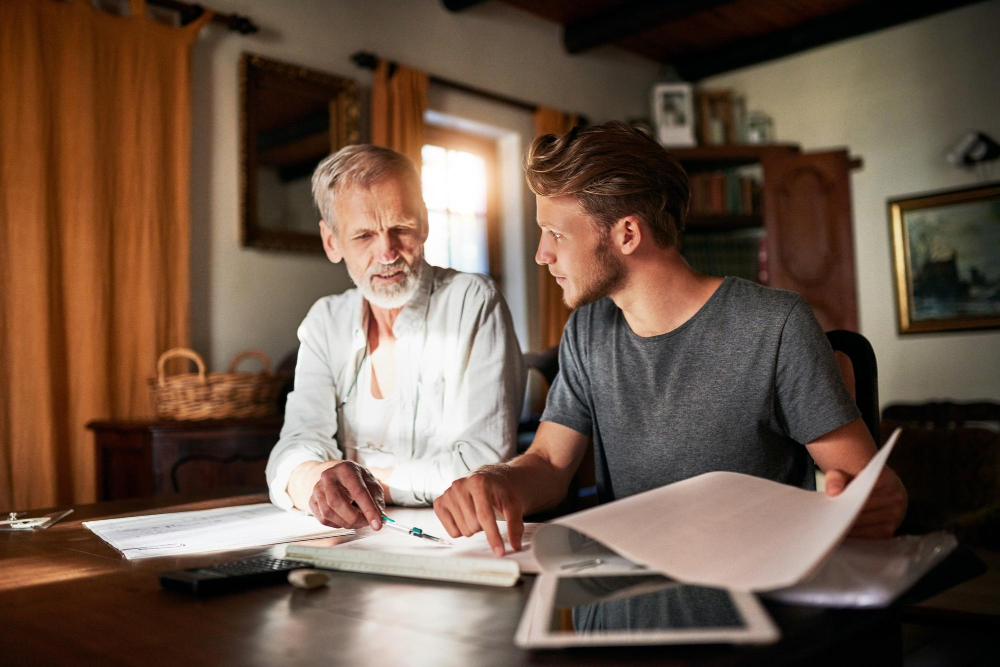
point(458, 178)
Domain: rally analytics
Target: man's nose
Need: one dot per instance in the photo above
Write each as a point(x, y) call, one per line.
point(388, 247)
point(543, 255)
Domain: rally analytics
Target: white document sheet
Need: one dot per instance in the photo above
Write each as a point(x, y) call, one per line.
point(204, 531)
point(719, 529)
point(390, 541)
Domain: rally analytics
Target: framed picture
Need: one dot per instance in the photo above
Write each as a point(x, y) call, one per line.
point(946, 259)
point(715, 117)
point(673, 113)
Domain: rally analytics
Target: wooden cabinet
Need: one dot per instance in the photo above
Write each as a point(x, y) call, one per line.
point(805, 215)
point(147, 458)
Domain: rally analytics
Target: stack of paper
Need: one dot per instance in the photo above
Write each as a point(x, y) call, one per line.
point(204, 531)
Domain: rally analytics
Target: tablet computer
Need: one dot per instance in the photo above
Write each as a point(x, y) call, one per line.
point(638, 608)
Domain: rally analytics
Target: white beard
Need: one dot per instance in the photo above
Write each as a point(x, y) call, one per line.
point(393, 295)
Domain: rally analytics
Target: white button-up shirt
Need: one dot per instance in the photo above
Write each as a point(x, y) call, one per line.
point(460, 380)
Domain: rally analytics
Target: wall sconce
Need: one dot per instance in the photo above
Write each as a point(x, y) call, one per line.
point(973, 148)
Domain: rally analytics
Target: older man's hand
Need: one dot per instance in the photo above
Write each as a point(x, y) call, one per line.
point(347, 495)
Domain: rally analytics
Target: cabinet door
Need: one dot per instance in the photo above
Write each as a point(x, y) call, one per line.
point(810, 247)
point(211, 458)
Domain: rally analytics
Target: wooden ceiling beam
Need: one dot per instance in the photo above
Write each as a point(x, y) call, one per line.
point(628, 19)
point(459, 5)
point(852, 22)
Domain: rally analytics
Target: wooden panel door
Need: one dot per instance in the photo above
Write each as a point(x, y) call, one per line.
point(810, 246)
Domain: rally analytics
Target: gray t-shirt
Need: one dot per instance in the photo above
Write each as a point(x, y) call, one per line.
point(740, 386)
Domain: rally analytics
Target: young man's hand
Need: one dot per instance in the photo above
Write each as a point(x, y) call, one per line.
point(347, 495)
point(885, 509)
point(470, 505)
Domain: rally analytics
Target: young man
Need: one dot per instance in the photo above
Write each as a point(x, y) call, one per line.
point(664, 372)
point(404, 384)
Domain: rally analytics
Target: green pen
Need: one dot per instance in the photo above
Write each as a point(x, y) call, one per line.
point(410, 530)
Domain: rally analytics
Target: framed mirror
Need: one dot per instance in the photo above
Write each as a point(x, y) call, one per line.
point(291, 117)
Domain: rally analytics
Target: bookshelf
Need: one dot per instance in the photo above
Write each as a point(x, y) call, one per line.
point(778, 215)
point(714, 157)
point(724, 222)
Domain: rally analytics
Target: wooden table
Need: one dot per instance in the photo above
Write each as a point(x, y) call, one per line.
point(968, 604)
point(66, 597)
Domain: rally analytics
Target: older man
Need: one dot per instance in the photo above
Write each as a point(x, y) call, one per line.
point(404, 384)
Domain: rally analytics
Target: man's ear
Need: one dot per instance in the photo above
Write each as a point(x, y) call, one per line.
point(331, 244)
point(627, 234)
point(424, 227)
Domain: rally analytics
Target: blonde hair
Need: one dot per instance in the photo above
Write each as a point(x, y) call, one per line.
point(359, 166)
point(614, 171)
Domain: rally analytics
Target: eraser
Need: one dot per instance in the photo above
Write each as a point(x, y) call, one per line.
point(308, 579)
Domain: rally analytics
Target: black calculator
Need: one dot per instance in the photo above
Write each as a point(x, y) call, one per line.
point(230, 577)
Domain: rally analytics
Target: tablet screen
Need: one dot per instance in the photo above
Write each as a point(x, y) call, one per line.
point(616, 604)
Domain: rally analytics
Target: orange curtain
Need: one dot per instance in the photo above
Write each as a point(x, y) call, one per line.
point(398, 105)
point(95, 124)
point(554, 312)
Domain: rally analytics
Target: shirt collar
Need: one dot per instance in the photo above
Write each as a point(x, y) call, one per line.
point(414, 314)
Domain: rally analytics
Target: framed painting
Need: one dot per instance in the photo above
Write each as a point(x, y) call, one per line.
point(946, 259)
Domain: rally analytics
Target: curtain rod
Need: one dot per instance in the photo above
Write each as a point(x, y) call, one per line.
point(369, 60)
point(189, 12)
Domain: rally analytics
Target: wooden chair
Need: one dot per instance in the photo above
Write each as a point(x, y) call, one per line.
point(546, 363)
point(287, 366)
point(860, 374)
point(948, 457)
point(582, 491)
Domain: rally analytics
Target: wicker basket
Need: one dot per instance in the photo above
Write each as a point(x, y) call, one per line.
point(215, 395)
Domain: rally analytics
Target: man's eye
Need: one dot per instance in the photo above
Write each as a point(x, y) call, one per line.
point(361, 237)
point(556, 235)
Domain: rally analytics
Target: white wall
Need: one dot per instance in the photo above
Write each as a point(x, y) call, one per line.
point(898, 99)
point(243, 298)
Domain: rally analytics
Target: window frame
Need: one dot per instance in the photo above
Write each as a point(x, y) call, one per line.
point(451, 139)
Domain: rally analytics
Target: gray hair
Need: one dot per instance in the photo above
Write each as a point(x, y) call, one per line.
point(358, 165)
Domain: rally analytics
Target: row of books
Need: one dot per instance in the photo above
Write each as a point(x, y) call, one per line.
point(742, 253)
point(725, 192)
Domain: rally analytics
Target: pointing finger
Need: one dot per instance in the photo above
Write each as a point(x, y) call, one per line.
point(515, 523)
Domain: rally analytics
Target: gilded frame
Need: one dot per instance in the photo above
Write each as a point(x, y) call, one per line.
point(940, 278)
point(345, 130)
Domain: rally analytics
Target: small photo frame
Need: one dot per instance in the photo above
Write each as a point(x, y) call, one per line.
point(716, 126)
point(946, 259)
point(673, 113)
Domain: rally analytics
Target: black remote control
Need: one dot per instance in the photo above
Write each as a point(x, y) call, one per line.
point(229, 577)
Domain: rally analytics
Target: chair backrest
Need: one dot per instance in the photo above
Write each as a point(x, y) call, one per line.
point(949, 460)
point(546, 363)
point(946, 414)
point(865, 375)
point(288, 367)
